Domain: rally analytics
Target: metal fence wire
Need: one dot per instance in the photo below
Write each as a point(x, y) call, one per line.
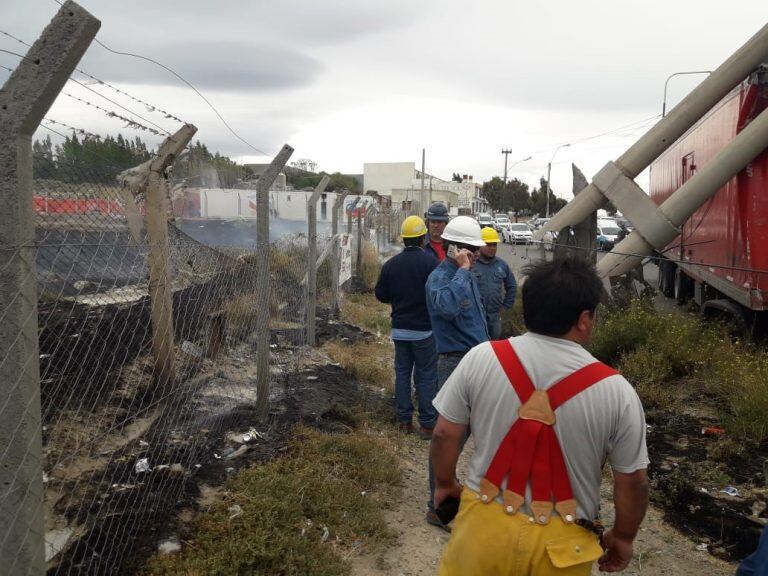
point(124, 453)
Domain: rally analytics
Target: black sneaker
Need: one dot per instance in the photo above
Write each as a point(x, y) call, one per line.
point(435, 521)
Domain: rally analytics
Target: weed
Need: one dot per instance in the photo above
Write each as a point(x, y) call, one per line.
point(365, 311)
point(369, 362)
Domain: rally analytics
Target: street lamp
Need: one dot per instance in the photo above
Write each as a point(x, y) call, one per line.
point(519, 161)
point(664, 103)
point(549, 172)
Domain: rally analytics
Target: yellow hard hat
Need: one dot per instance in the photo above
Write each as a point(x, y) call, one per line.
point(413, 227)
point(489, 235)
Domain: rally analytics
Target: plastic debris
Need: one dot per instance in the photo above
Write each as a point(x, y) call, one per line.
point(731, 491)
point(56, 541)
point(143, 443)
point(311, 377)
point(229, 470)
point(236, 453)
point(252, 435)
point(712, 431)
point(141, 466)
point(45, 477)
point(704, 490)
point(326, 534)
point(171, 546)
point(703, 547)
point(224, 454)
point(234, 511)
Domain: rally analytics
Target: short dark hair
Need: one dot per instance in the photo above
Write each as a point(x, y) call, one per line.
point(556, 293)
point(418, 241)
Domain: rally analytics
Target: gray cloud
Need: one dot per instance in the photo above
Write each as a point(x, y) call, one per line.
point(220, 65)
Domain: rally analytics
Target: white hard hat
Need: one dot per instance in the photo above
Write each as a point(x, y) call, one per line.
point(464, 230)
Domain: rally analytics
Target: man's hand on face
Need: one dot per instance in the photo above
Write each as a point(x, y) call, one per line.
point(618, 552)
point(465, 258)
point(443, 493)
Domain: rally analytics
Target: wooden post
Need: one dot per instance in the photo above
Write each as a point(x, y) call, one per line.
point(262, 279)
point(24, 99)
point(218, 333)
point(338, 206)
point(312, 256)
point(160, 289)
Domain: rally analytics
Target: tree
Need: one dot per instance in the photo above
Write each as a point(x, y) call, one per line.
point(305, 164)
point(337, 182)
point(456, 177)
point(538, 202)
point(503, 198)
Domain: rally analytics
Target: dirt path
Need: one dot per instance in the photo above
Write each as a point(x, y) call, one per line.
point(659, 549)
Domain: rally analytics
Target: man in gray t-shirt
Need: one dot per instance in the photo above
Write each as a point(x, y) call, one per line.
point(603, 423)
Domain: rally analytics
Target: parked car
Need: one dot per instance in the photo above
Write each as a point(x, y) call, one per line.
point(538, 222)
point(607, 233)
point(484, 220)
point(501, 222)
point(517, 233)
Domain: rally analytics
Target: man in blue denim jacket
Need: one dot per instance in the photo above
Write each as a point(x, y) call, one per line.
point(455, 309)
point(496, 282)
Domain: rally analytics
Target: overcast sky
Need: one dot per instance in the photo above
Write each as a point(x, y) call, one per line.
point(352, 82)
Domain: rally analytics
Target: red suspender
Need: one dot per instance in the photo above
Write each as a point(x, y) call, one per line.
point(531, 451)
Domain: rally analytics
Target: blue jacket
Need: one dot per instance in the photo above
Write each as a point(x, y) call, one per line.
point(401, 284)
point(497, 285)
point(455, 308)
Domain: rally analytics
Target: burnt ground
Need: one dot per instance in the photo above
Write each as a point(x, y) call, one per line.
point(687, 475)
point(126, 514)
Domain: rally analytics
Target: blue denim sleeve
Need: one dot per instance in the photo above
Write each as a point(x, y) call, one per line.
point(446, 297)
point(510, 287)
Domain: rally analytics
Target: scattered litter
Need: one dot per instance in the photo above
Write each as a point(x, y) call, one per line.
point(56, 541)
point(226, 452)
point(648, 427)
point(363, 493)
point(192, 349)
point(229, 470)
point(75, 336)
point(236, 453)
point(198, 465)
point(273, 345)
point(45, 477)
point(44, 356)
point(704, 490)
point(141, 466)
point(171, 546)
point(252, 435)
point(234, 511)
point(703, 547)
point(326, 534)
point(311, 377)
point(143, 443)
point(712, 431)
point(731, 491)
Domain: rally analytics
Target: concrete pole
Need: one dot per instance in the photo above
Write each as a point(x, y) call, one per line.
point(748, 144)
point(262, 279)
point(160, 289)
point(712, 89)
point(579, 240)
point(338, 206)
point(359, 258)
point(24, 99)
point(312, 256)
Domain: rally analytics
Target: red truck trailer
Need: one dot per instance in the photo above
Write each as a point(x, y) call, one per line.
point(720, 260)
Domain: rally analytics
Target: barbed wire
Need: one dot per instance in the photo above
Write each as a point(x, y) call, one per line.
point(130, 123)
point(77, 130)
point(150, 107)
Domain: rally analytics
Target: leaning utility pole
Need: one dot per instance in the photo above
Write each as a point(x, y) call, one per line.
point(506, 153)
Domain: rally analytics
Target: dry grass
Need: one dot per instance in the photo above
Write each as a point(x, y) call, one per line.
point(365, 311)
point(369, 362)
point(300, 514)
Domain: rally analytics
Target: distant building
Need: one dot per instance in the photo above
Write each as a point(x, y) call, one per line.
point(402, 183)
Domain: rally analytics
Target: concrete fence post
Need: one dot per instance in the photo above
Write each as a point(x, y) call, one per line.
point(311, 301)
point(262, 279)
point(338, 206)
point(24, 99)
point(359, 255)
point(160, 289)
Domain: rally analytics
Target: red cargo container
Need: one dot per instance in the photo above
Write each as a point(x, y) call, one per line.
point(721, 256)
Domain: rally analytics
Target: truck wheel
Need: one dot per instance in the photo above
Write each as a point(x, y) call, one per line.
point(683, 287)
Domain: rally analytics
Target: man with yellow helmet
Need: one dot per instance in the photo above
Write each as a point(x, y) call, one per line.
point(401, 284)
point(496, 282)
